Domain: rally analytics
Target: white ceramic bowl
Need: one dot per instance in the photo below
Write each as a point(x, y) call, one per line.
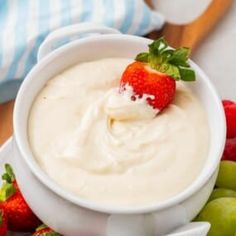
point(71, 215)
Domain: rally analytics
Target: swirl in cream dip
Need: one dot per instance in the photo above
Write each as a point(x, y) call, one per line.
point(104, 147)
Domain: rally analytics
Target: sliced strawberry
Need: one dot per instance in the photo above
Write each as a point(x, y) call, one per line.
point(154, 74)
point(44, 230)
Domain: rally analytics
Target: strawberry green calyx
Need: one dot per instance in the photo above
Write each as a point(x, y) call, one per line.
point(8, 188)
point(6, 191)
point(173, 62)
point(42, 226)
point(9, 175)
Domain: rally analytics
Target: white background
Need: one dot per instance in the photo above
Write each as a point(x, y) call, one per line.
point(217, 55)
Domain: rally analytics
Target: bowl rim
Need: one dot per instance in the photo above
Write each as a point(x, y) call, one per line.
point(34, 167)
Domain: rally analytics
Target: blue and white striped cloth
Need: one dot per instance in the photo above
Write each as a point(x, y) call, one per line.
point(25, 23)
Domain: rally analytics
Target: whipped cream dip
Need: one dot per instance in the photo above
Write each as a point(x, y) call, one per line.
point(104, 147)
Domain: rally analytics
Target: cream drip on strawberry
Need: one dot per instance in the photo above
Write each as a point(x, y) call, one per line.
point(128, 106)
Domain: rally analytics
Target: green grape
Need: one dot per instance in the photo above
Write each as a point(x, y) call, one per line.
point(221, 214)
point(221, 192)
point(227, 175)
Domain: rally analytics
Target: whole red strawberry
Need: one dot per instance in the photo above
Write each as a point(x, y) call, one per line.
point(19, 216)
point(44, 230)
point(230, 150)
point(230, 115)
point(154, 74)
point(3, 222)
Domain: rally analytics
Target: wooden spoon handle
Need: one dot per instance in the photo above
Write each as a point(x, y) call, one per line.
point(192, 34)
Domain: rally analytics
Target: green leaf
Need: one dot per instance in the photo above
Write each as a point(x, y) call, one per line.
point(180, 57)
point(6, 177)
point(154, 61)
point(9, 175)
point(166, 55)
point(187, 74)
point(143, 57)
point(157, 46)
point(42, 226)
point(173, 62)
point(170, 70)
point(7, 191)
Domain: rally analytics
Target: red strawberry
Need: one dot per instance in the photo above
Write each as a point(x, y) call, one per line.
point(230, 150)
point(143, 81)
point(44, 230)
point(155, 73)
point(227, 102)
point(3, 223)
point(230, 115)
point(20, 216)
